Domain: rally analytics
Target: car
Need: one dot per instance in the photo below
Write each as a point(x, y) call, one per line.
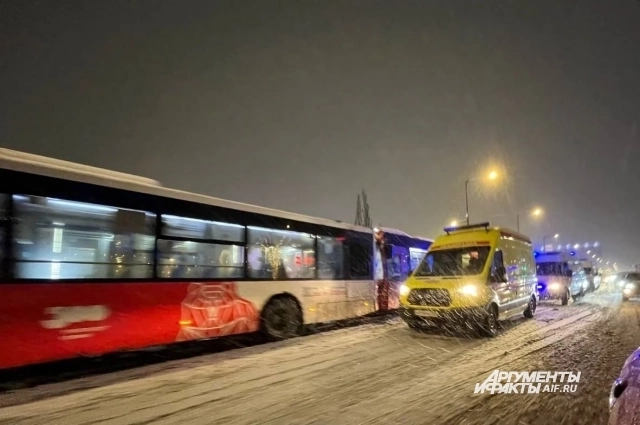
point(473, 275)
point(580, 283)
point(612, 279)
point(597, 281)
point(624, 397)
point(630, 283)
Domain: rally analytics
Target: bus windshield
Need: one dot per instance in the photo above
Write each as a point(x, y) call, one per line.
point(467, 261)
point(549, 269)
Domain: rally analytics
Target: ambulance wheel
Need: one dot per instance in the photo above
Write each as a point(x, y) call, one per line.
point(531, 308)
point(565, 297)
point(490, 326)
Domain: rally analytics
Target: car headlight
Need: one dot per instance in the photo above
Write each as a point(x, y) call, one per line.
point(404, 290)
point(629, 286)
point(471, 290)
point(554, 286)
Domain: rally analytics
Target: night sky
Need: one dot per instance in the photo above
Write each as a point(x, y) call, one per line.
point(299, 105)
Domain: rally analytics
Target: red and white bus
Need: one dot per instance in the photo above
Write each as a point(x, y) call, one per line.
point(94, 261)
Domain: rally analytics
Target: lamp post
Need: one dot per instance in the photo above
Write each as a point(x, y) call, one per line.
point(537, 212)
point(544, 240)
point(491, 176)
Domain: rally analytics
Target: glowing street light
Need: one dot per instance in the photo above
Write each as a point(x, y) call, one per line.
point(454, 223)
point(536, 212)
point(493, 175)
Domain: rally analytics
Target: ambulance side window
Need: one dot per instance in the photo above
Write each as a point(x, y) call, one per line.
point(497, 268)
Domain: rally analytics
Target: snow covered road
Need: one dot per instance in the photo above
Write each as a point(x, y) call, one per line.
point(381, 373)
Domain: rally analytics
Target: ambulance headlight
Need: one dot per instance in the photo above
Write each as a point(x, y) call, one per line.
point(404, 290)
point(470, 290)
point(554, 287)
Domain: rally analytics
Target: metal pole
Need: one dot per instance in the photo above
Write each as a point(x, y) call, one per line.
point(518, 221)
point(544, 243)
point(466, 198)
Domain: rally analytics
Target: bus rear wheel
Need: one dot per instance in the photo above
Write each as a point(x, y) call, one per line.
point(282, 319)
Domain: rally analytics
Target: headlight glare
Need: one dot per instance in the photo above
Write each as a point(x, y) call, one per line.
point(471, 290)
point(404, 290)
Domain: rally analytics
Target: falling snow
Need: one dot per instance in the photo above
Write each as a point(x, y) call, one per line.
point(377, 373)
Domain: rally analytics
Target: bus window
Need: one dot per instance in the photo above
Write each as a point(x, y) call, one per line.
point(398, 263)
point(192, 228)
point(360, 257)
point(330, 258)
point(416, 257)
point(198, 260)
point(279, 255)
point(59, 239)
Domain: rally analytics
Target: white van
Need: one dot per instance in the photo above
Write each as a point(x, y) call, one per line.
point(556, 279)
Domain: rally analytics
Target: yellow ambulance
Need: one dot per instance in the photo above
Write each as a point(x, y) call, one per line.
point(476, 275)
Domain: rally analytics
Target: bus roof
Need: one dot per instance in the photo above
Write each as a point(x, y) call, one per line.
point(44, 166)
point(401, 233)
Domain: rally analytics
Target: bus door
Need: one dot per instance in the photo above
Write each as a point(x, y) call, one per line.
point(396, 269)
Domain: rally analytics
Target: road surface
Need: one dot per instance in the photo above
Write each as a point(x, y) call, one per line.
point(381, 373)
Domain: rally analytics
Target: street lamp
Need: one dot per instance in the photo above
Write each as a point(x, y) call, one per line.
point(536, 212)
point(544, 240)
point(491, 176)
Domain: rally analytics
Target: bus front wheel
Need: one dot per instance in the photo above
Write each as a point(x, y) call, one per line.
point(282, 318)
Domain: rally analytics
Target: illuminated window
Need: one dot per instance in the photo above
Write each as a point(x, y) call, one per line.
point(330, 258)
point(198, 260)
point(280, 255)
point(192, 228)
point(59, 239)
